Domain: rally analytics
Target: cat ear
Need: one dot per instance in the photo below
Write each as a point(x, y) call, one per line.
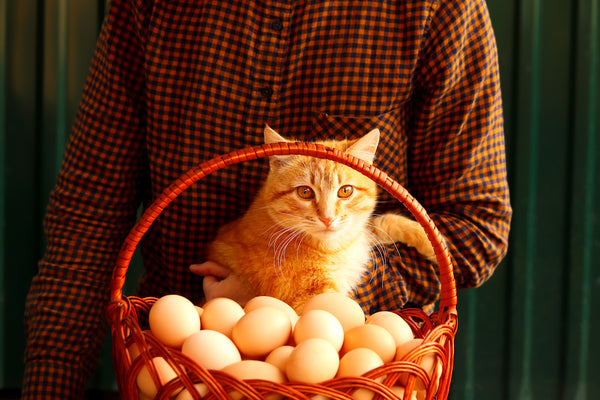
point(271, 136)
point(365, 147)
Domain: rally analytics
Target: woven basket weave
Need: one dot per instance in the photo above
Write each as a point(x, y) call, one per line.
point(125, 313)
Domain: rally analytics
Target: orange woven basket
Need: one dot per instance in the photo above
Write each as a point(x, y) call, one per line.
point(125, 313)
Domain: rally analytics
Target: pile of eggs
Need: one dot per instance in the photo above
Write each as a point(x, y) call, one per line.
point(268, 340)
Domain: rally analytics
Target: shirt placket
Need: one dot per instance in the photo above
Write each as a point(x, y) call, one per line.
point(271, 45)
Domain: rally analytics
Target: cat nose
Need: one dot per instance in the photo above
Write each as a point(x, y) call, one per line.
point(326, 220)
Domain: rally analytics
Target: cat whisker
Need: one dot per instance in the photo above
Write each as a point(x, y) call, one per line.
point(378, 249)
point(302, 237)
point(379, 246)
point(280, 241)
point(274, 237)
point(278, 255)
point(376, 233)
point(298, 234)
point(264, 233)
point(294, 216)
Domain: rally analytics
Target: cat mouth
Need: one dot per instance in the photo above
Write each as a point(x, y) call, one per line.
point(328, 231)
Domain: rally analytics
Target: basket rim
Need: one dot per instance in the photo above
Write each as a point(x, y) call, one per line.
point(448, 295)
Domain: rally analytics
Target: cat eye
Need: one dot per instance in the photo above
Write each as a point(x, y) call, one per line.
point(345, 191)
point(305, 192)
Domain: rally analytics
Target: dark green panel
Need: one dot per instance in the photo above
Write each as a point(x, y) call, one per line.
point(539, 112)
point(524, 180)
point(504, 16)
point(70, 33)
point(41, 76)
point(553, 203)
point(584, 277)
point(541, 166)
point(481, 341)
point(20, 189)
point(3, 123)
point(55, 75)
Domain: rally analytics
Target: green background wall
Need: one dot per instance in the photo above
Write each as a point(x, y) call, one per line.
point(529, 333)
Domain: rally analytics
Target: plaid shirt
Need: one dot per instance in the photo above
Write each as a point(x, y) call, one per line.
point(174, 83)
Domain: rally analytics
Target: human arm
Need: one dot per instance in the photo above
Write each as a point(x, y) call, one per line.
point(456, 161)
point(90, 211)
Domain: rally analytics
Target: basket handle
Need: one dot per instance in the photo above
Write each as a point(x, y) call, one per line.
point(448, 298)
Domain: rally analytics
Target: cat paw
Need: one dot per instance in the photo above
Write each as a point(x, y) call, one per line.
point(422, 244)
point(398, 228)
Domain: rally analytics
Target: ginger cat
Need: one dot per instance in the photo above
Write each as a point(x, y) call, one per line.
point(310, 229)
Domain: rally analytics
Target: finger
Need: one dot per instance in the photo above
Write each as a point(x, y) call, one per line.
point(210, 268)
point(209, 283)
point(215, 287)
point(210, 286)
point(230, 287)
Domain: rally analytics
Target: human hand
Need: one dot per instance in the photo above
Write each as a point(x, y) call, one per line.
point(220, 282)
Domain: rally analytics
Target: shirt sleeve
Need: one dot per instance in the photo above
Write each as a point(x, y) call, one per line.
point(91, 209)
point(456, 160)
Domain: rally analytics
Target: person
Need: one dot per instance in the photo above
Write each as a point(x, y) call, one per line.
point(176, 83)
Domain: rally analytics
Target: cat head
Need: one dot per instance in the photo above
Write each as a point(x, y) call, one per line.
point(322, 198)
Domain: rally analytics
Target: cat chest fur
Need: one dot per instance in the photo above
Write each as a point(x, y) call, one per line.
point(288, 266)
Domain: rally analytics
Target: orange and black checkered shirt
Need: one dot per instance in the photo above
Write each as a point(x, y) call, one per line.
point(177, 82)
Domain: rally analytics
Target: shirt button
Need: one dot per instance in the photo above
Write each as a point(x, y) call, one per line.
point(277, 25)
point(266, 92)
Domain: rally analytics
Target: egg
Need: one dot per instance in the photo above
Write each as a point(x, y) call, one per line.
point(172, 319)
point(319, 323)
point(144, 379)
point(399, 391)
point(262, 330)
point(346, 310)
point(221, 314)
point(185, 394)
point(373, 337)
point(358, 361)
point(211, 349)
point(268, 301)
point(134, 350)
point(394, 324)
point(429, 363)
point(406, 347)
point(254, 369)
point(144, 397)
point(312, 361)
point(279, 356)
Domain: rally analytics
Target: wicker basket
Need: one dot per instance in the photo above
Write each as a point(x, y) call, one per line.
point(438, 330)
